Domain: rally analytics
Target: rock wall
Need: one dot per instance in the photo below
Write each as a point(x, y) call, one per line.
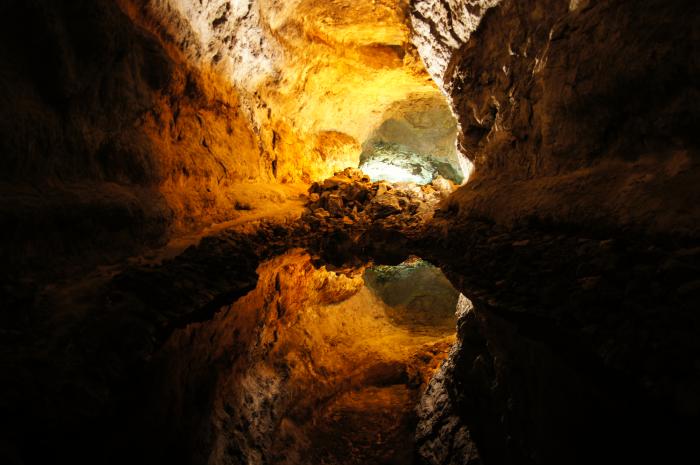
point(307, 69)
point(346, 64)
point(584, 109)
point(441, 27)
point(576, 234)
point(110, 140)
point(137, 120)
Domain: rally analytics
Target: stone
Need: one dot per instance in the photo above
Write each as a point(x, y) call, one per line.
point(443, 186)
point(335, 205)
point(334, 182)
point(385, 205)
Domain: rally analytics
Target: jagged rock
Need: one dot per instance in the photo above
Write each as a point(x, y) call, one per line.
point(334, 182)
point(381, 188)
point(385, 205)
point(443, 186)
point(321, 213)
point(335, 205)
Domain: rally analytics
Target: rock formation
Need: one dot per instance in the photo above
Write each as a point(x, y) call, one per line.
point(571, 113)
point(192, 258)
point(546, 105)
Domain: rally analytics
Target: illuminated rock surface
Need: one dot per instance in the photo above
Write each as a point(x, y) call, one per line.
point(311, 359)
point(185, 231)
point(415, 142)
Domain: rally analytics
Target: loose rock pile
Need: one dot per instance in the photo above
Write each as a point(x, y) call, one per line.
point(350, 200)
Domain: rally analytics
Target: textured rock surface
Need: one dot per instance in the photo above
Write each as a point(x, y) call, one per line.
point(419, 136)
point(581, 131)
point(441, 27)
point(580, 205)
point(110, 140)
point(274, 377)
point(443, 437)
point(306, 69)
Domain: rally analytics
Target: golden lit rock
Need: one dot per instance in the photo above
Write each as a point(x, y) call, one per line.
point(211, 213)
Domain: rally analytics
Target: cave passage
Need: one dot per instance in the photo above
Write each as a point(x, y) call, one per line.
point(320, 366)
point(211, 213)
point(416, 142)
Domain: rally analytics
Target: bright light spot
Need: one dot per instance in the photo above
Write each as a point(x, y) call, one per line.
point(464, 306)
point(378, 170)
point(466, 166)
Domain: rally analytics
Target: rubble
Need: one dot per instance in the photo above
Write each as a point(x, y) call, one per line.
point(350, 200)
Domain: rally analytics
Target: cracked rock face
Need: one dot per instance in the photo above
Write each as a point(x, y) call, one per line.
point(546, 104)
point(231, 37)
point(441, 27)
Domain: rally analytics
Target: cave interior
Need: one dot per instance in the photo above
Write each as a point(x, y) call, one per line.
point(349, 232)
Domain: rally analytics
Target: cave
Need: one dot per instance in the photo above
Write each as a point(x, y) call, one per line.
point(396, 232)
point(416, 142)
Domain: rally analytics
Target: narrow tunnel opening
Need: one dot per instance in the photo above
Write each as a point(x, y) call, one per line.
point(415, 142)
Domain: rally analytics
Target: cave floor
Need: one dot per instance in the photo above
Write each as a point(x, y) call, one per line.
point(277, 203)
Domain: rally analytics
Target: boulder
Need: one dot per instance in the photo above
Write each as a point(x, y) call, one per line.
point(335, 205)
point(385, 205)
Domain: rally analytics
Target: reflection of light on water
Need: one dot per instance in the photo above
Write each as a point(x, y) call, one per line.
point(379, 170)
